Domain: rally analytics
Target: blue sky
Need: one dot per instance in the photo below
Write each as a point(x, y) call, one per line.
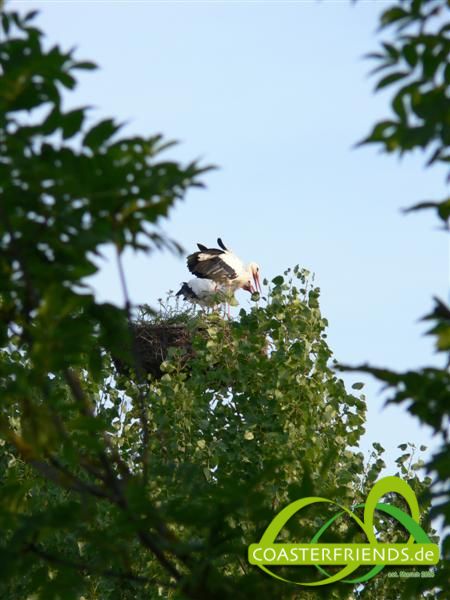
point(276, 94)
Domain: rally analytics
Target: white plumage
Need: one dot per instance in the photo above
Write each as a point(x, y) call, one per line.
point(204, 292)
point(224, 267)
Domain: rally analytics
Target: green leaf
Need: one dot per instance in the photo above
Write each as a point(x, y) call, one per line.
point(430, 64)
point(380, 131)
point(30, 16)
point(410, 54)
point(442, 208)
point(378, 447)
point(447, 74)
point(278, 280)
point(53, 121)
point(100, 133)
point(5, 22)
point(393, 15)
point(86, 65)
point(358, 385)
point(72, 122)
point(398, 105)
point(66, 79)
point(391, 50)
point(391, 78)
point(403, 458)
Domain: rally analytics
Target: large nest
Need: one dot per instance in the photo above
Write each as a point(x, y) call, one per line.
point(151, 346)
point(154, 336)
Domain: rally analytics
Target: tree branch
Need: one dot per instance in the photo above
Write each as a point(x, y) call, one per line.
point(85, 567)
point(138, 368)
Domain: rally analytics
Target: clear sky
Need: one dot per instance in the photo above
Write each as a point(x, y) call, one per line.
point(276, 94)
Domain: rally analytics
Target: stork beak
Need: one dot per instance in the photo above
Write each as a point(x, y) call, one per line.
point(257, 282)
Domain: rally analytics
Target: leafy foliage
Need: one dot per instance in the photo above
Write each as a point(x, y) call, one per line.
point(415, 64)
point(125, 486)
point(417, 61)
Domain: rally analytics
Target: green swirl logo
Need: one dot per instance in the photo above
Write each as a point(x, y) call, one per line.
point(417, 550)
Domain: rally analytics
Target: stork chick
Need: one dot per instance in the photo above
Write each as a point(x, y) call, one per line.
point(205, 292)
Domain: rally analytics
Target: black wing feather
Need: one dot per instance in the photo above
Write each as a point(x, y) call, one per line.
point(212, 268)
point(221, 244)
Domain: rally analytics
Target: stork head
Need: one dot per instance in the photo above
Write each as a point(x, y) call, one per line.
point(253, 270)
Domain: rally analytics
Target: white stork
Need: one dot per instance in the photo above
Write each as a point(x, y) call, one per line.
point(224, 267)
point(204, 292)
